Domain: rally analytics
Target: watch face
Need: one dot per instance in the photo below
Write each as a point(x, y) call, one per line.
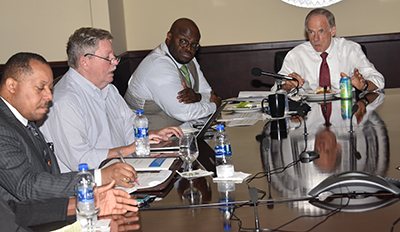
point(365, 85)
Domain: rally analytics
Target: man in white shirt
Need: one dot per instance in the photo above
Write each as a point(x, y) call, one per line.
point(169, 84)
point(89, 120)
point(344, 58)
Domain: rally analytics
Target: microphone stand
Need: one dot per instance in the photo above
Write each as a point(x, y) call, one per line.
point(254, 198)
point(354, 151)
point(325, 110)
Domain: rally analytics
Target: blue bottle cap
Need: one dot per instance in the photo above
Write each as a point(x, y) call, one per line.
point(83, 167)
point(139, 111)
point(227, 226)
point(220, 127)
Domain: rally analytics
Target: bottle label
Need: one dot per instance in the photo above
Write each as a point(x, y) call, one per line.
point(85, 195)
point(141, 132)
point(224, 150)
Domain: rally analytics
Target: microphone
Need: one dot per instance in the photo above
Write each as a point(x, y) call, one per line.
point(300, 112)
point(326, 116)
point(352, 142)
point(259, 72)
point(306, 156)
point(254, 198)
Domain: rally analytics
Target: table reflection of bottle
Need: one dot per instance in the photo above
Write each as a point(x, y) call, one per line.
point(226, 194)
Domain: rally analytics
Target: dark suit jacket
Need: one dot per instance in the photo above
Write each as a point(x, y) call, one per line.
point(24, 172)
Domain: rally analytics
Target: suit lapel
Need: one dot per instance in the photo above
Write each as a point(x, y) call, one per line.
point(30, 139)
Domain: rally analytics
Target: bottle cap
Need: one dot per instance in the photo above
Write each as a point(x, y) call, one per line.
point(227, 226)
point(83, 167)
point(139, 111)
point(220, 127)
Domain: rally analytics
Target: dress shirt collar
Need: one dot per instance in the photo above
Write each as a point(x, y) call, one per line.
point(20, 118)
point(88, 86)
point(165, 48)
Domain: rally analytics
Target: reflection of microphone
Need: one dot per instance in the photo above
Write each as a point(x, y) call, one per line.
point(353, 144)
point(306, 156)
point(259, 72)
point(300, 112)
point(254, 198)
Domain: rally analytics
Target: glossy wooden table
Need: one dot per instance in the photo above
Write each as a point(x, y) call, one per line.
point(377, 140)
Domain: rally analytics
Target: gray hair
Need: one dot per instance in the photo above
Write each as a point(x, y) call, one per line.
point(84, 40)
point(321, 11)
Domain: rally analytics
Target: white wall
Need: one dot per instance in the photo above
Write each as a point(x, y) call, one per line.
point(43, 26)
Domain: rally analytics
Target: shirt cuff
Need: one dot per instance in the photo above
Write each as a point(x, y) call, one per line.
point(97, 177)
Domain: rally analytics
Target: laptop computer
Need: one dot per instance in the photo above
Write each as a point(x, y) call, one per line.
point(172, 144)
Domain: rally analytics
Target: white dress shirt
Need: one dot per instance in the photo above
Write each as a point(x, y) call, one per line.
point(157, 79)
point(343, 56)
point(85, 122)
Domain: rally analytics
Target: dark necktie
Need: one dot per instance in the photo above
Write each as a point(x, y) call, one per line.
point(42, 143)
point(324, 75)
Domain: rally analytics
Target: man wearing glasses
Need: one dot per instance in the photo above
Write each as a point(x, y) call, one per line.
point(168, 84)
point(89, 120)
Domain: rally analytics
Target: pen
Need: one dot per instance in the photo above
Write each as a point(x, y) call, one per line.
point(123, 160)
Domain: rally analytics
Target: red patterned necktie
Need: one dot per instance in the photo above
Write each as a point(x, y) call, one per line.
point(324, 75)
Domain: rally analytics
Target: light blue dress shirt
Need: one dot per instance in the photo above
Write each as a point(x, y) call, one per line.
point(85, 122)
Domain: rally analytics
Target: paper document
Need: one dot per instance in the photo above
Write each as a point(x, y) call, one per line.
point(245, 119)
point(146, 164)
point(254, 96)
point(148, 180)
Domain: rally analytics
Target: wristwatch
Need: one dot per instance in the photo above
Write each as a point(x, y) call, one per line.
point(366, 102)
point(365, 85)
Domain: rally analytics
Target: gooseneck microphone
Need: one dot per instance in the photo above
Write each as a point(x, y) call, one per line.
point(259, 72)
point(357, 154)
point(306, 156)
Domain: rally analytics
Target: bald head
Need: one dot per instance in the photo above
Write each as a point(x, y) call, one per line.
point(184, 25)
point(183, 40)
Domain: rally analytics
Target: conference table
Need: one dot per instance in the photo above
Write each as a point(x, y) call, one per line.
point(269, 150)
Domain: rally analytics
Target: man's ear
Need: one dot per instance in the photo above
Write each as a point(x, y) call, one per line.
point(11, 85)
point(169, 38)
point(333, 31)
point(83, 62)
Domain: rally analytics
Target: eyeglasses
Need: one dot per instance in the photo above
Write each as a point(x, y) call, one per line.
point(111, 61)
point(184, 43)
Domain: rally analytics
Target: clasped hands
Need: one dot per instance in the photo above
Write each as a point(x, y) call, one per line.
point(188, 95)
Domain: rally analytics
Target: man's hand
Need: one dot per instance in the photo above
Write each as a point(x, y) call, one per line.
point(357, 79)
point(165, 133)
point(122, 173)
point(123, 222)
point(214, 98)
point(292, 84)
point(188, 95)
point(115, 201)
point(362, 110)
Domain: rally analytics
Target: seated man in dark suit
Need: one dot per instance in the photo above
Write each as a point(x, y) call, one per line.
point(28, 167)
point(16, 216)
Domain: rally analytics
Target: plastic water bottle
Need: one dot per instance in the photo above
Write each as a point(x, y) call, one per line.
point(223, 153)
point(142, 142)
point(226, 194)
point(84, 189)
